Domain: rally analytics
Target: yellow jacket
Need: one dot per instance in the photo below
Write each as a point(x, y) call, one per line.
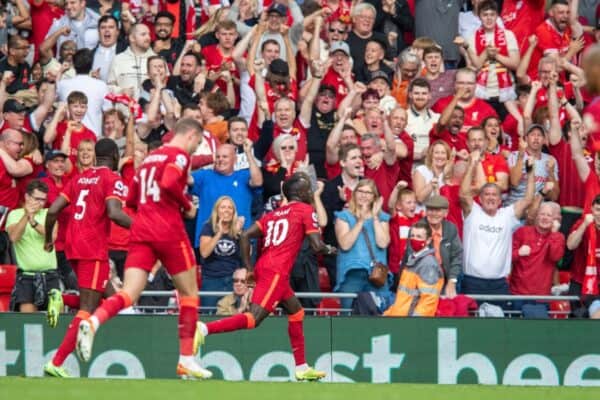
point(419, 288)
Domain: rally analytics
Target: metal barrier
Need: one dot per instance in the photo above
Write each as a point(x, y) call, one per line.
point(172, 307)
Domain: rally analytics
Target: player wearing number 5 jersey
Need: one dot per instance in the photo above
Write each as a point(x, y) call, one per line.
point(283, 232)
point(158, 233)
point(95, 196)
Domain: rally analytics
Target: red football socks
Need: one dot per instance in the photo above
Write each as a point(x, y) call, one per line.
point(188, 316)
point(296, 334)
point(233, 323)
point(68, 344)
point(112, 306)
point(71, 301)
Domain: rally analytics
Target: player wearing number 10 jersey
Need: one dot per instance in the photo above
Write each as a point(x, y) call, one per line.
point(95, 195)
point(158, 233)
point(283, 232)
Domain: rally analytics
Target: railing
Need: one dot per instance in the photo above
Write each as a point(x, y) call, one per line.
point(172, 307)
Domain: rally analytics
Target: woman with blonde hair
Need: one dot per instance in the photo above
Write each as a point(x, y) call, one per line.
point(361, 230)
point(220, 249)
point(429, 177)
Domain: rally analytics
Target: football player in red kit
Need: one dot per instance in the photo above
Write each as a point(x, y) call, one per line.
point(95, 195)
point(158, 233)
point(282, 232)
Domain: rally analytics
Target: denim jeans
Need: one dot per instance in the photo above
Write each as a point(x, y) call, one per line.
point(224, 284)
point(356, 281)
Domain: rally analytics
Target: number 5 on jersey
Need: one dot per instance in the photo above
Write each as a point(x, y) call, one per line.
point(81, 205)
point(148, 186)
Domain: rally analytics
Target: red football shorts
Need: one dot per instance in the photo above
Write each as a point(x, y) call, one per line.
point(176, 256)
point(271, 288)
point(91, 274)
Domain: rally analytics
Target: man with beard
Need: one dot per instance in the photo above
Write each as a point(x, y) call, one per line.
point(130, 68)
point(420, 117)
point(555, 34)
point(337, 193)
point(18, 48)
point(111, 44)
point(449, 127)
point(187, 81)
point(322, 121)
point(165, 45)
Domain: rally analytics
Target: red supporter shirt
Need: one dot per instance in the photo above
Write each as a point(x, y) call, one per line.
point(406, 164)
point(399, 229)
point(475, 112)
point(522, 16)
point(42, 15)
point(76, 138)
point(26, 125)
point(54, 189)
point(580, 259)
point(452, 193)
point(591, 119)
point(385, 177)
point(332, 78)
point(24, 180)
point(458, 142)
point(592, 189)
point(532, 274)
point(492, 165)
point(214, 60)
point(572, 190)
point(158, 202)
point(299, 131)
point(9, 190)
point(272, 97)
point(510, 126)
point(119, 236)
point(89, 227)
point(283, 233)
point(549, 41)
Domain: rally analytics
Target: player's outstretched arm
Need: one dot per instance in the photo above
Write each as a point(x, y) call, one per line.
point(115, 213)
point(251, 233)
point(318, 246)
point(56, 207)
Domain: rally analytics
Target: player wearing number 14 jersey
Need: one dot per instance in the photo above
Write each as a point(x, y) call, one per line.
point(95, 196)
point(283, 232)
point(158, 233)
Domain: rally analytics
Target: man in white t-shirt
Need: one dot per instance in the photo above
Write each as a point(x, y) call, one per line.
point(488, 230)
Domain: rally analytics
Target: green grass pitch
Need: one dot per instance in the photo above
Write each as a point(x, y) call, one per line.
point(92, 389)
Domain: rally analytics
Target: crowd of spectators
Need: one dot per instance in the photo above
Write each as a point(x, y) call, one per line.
point(455, 142)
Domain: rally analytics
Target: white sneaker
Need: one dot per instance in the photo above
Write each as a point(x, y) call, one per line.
point(85, 341)
point(192, 371)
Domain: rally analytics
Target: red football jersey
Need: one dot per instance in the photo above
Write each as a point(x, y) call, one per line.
point(475, 112)
point(54, 190)
point(283, 232)
point(89, 227)
point(158, 216)
point(76, 138)
point(214, 60)
point(522, 17)
point(9, 191)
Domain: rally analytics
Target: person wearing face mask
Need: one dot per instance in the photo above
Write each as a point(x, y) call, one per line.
point(421, 279)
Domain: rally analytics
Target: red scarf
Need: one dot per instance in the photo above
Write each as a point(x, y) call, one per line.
point(505, 83)
point(590, 278)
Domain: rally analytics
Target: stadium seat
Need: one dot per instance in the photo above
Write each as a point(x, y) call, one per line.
point(561, 306)
point(8, 274)
point(329, 307)
point(324, 282)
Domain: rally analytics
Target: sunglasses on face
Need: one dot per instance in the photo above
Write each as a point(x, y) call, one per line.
point(239, 281)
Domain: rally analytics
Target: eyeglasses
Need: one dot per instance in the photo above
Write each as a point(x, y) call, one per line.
point(365, 192)
point(340, 31)
point(239, 280)
point(288, 148)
